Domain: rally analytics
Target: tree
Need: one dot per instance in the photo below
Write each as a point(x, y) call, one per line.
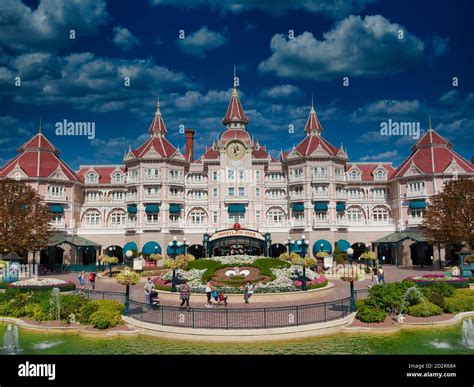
point(450, 216)
point(338, 255)
point(24, 219)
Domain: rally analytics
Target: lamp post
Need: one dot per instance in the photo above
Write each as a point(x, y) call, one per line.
point(175, 246)
point(288, 245)
point(350, 253)
point(303, 243)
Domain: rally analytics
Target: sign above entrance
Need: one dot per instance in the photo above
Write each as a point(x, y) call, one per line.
point(236, 233)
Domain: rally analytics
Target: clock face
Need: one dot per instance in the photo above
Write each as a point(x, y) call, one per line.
point(235, 150)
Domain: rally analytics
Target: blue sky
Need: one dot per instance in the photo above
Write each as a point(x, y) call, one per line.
point(391, 77)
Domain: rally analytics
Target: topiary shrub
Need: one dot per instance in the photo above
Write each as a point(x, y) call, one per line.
point(86, 311)
point(462, 301)
point(338, 256)
point(71, 304)
point(104, 318)
point(424, 309)
point(369, 314)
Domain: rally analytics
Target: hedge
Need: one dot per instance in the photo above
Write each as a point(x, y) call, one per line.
point(462, 301)
point(424, 309)
point(369, 314)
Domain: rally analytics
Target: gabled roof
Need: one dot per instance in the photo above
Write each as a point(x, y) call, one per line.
point(38, 158)
point(235, 134)
point(260, 152)
point(210, 154)
point(368, 169)
point(432, 154)
point(104, 172)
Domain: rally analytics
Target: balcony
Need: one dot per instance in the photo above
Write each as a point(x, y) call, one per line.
point(275, 183)
point(414, 221)
point(414, 194)
point(297, 197)
point(193, 199)
point(340, 178)
point(320, 176)
point(342, 222)
point(196, 183)
point(294, 224)
point(173, 225)
point(152, 179)
point(155, 226)
point(296, 179)
point(57, 198)
point(131, 180)
point(131, 198)
point(130, 226)
point(236, 199)
point(319, 223)
point(341, 195)
point(320, 194)
point(175, 180)
point(176, 198)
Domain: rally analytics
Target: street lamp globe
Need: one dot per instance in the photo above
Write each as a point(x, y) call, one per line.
point(170, 244)
point(129, 254)
point(303, 236)
point(175, 238)
point(292, 242)
point(179, 244)
point(299, 243)
point(350, 251)
point(306, 242)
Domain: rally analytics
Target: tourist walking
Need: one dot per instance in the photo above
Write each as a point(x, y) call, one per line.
point(185, 295)
point(209, 293)
point(82, 281)
point(92, 277)
point(149, 287)
point(375, 277)
point(381, 275)
point(248, 292)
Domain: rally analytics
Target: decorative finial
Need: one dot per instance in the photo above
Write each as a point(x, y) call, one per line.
point(312, 99)
point(40, 128)
point(157, 113)
point(429, 123)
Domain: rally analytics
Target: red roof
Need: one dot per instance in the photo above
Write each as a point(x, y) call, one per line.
point(368, 169)
point(313, 124)
point(235, 111)
point(211, 154)
point(103, 172)
point(260, 153)
point(235, 134)
point(432, 154)
point(311, 142)
point(157, 125)
point(38, 158)
point(160, 144)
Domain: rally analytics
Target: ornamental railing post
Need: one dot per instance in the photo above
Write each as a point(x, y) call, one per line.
point(265, 318)
point(325, 312)
point(227, 319)
point(297, 314)
point(162, 309)
point(193, 317)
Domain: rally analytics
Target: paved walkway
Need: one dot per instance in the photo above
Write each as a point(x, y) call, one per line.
point(340, 290)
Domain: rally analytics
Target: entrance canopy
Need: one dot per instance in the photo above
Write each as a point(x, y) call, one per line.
point(326, 246)
point(343, 245)
point(130, 246)
point(75, 240)
point(398, 236)
point(151, 248)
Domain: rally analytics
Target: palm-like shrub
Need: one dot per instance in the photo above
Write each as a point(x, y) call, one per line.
point(321, 254)
point(108, 260)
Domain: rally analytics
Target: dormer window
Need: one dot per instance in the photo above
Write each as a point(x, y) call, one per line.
point(380, 174)
point(354, 175)
point(117, 177)
point(92, 178)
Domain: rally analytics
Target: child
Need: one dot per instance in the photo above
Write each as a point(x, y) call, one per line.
point(221, 298)
point(82, 281)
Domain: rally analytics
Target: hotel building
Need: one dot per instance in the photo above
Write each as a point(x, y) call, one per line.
point(313, 189)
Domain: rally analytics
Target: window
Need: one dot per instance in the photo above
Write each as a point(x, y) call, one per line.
point(175, 192)
point(92, 218)
point(275, 177)
point(417, 214)
point(56, 191)
point(132, 194)
point(380, 174)
point(258, 217)
point(117, 196)
point(298, 217)
point(175, 218)
point(57, 219)
point(378, 193)
point(416, 187)
point(340, 192)
point(117, 177)
point(339, 172)
point(152, 218)
point(321, 216)
point(230, 174)
point(320, 172)
point(355, 215)
point(175, 174)
point(241, 174)
point(320, 190)
point(257, 176)
point(354, 193)
point(257, 192)
point(152, 191)
point(354, 175)
point(92, 196)
point(297, 173)
point(197, 217)
point(241, 191)
point(214, 217)
point(196, 178)
point(152, 173)
point(380, 215)
point(298, 192)
point(276, 194)
point(215, 175)
point(197, 194)
point(237, 217)
point(275, 216)
point(132, 218)
point(215, 193)
point(92, 178)
point(118, 218)
point(230, 191)
point(132, 175)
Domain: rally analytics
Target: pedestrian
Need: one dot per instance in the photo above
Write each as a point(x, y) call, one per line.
point(209, 293)
point(82, 281)
point(381, 275)
point(92, 277)
point(149, 287)
point(375, 277)
point(185, 295)
point(248, 292)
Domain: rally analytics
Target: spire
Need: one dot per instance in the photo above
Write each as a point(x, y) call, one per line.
point(40, 128)
point(429, 123)
point(157, 127)
point(313, 126)
point(235, 116)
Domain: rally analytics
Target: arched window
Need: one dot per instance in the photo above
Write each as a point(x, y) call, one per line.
point(117, 177)
point(117, 218)
point(355, 215)
point(380, 174)
point(92, 177)
point(197, 217)
point(92, 218)
point(354, 175)
point(380, 214)
point(276, 216)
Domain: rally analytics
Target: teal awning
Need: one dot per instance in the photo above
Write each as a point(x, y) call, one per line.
point(132, 209)
point(174, 250)
point(414, 204)
point(56, 209)
point(321, 206)
point(175, 208)
point(152, 208)
point(340, 207)
point(327, 247)
point(129, 246)
point(298, 207)
point(151, 248)
point(236, 208)
point(343, 245)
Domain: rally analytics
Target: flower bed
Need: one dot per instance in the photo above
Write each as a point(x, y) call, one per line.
point(431, 279)
point(43, 284)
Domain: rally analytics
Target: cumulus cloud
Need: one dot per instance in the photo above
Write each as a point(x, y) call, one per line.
point(281, 91)
point(199, 42)
point(124, 39)
point(354, 47)
point(13, 130)
point(385, 109)
point(23, 28)
point(383, 156)
point(331, 8)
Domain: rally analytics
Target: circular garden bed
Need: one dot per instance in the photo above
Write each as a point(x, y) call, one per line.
point(432, 279)
point(42, 284)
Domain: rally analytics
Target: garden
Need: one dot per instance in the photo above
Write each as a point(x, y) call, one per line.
point(406, 297)
point(231, 273)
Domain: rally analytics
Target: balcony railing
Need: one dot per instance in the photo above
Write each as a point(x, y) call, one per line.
point(341, 195)
point(320, 194)
point(176, 225)
point(320, 223)
point(297, 223)
point(411, 194)
point(294, 179)
point(320, 176)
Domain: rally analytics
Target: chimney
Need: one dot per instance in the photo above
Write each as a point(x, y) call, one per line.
point(189, 134)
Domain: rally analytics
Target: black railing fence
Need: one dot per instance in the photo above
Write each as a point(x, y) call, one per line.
point(223, 317)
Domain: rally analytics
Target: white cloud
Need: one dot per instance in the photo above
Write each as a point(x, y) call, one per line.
point(198, 43)
point(354, 47)
point(124, 39)
point(385, 109)
point(47, 27)
point(281, 91)
point(383, 156)
point(13, 131)
point(373, 137)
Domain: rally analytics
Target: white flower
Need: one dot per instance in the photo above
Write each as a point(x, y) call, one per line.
point(39, 282)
